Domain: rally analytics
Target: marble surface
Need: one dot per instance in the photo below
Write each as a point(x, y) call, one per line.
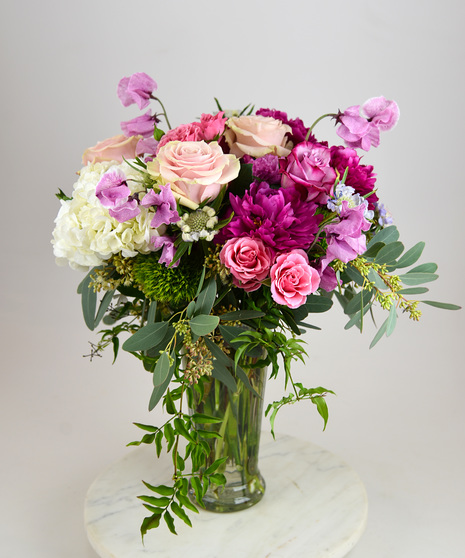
point(315, 506)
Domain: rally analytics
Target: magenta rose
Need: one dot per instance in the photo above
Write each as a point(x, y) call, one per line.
point(292, 279)
point(248, 260)
point(112, 149)
point(308, 165)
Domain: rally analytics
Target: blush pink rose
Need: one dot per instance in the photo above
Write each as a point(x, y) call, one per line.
point(257, 136)
point(248, 260)
point(292, 279)
point(195, 169)
point(112, 149)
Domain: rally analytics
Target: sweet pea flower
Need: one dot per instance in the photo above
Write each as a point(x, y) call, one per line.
point(292, 279)
point(125, 211)
point(112, 188)
point(356, 131)
point(165, 204)
point(143, 125)
point(345, 239)
point(137, 88)
point(382, 113)
point(167, 243)
point(360, 126)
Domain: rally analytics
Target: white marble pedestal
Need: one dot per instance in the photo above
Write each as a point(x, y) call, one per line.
point(314, 506)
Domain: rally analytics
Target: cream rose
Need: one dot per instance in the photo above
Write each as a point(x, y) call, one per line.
point(257, 136)
point(196, 170)
point(112, 149)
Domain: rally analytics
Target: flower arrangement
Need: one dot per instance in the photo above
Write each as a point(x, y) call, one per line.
point(214, 239)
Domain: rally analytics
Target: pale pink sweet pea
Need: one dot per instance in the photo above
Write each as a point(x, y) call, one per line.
point(356, 131)
point(143, 125)
point(248, 260)
point(167, 243)
point(257, 136)
point(345, 238)
point(383, 113)
point(112, 188)
point(308, 165)
point(112, 149)
point(137, 88)
point(125, 211)
point(293, 279)
point(165, 205)
point(195, 169)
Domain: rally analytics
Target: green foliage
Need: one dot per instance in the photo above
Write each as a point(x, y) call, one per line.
point(171, 285)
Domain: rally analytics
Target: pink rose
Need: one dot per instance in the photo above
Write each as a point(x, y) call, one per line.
point(257, 136)
point(195, 169)
point(292, 279)
point(248, 260)
point(184, 132)
point(111, 149)
point(308, 165)
point(212, 125)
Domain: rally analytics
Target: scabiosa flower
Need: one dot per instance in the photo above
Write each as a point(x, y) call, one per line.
point(360, 177)
point(384, 216)
point(198, 225)
point(347, 193)
point(281, 218)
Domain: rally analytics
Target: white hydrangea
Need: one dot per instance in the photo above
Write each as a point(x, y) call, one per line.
point(85, 235)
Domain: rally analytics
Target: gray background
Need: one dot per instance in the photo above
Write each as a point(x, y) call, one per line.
point(398, 416)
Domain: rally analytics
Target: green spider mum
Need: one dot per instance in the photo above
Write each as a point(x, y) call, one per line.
point(171, 285)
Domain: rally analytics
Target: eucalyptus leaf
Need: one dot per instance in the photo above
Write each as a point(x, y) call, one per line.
point(241, 315)
point(103, 307)
point(424, 268)
point(386, 235)
point(389, 253)
point(218, 354)
point(88, 301)
point(411, 256)
point(158, 391)
point(373, 250)
point(444, 305)
point(317, 304)
point(417, 278)
point(206, 298)
point(355, 275)
point(190, 309)
point(373, 277)
point(391, 321)
point(162, 369)
point(146, 337)
point(381, 331)
point(355, 304)
point(203, 324)
point(413, 290)
point(152, 312)
point(222, 374)
point(202, 278)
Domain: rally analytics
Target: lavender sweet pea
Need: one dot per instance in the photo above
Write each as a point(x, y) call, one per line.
point(113, 192)
point(165, 204)
point(143, 125)
point(137, 88)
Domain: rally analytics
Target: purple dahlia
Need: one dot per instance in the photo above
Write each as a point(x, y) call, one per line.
point(281, 218)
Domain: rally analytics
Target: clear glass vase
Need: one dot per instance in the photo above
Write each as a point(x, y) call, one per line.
point(241, 412)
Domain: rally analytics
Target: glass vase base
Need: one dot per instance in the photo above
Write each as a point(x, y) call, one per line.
point(236, 496)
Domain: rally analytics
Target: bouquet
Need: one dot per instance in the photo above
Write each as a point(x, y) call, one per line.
point(207, 246)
